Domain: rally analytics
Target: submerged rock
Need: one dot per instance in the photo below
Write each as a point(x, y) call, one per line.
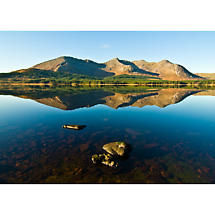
point(114, 151)
point(116, 148)
point(75, 127)
point(105, 159)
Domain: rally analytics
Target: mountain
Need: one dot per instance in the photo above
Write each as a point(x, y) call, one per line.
point(64, 66)
point(91, 68)
point(75, 66)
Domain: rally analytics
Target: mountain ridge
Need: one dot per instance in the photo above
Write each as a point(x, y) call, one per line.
point(164, 69)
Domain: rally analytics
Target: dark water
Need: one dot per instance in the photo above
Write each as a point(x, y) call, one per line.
point(171, 133)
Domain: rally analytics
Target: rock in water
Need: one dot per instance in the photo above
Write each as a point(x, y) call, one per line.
point(113, 150)
point(116, 148)
point(105, 159)
point(75, 127)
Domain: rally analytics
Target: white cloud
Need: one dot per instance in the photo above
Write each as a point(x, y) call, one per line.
point(105, 46)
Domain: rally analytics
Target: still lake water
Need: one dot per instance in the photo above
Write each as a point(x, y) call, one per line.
point(171, 133)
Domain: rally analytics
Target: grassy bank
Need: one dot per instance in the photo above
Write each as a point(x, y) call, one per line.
point(122, 80)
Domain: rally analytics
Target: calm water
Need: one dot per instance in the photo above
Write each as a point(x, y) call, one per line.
point(171, 133)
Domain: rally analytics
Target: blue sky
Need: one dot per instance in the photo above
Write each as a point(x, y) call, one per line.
point(194, 50)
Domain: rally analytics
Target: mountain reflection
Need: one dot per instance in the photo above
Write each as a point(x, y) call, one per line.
point(114, 97)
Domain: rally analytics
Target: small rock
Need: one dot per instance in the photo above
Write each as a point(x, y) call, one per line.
point(75, 127)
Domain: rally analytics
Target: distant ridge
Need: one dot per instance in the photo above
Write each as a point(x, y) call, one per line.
point(164, 69)
point(210, 76)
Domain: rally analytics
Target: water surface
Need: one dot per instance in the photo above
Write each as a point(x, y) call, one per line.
point(170, 131)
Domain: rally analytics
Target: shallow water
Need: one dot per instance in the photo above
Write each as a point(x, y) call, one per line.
point(170, 131)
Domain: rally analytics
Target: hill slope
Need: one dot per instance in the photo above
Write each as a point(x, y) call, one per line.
point(167, 70)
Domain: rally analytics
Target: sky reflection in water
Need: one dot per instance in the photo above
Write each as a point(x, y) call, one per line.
point(173, 143)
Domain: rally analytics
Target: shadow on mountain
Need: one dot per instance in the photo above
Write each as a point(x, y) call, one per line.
point(137, 69)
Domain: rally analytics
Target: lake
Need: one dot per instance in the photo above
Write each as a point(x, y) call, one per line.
point(171, 134)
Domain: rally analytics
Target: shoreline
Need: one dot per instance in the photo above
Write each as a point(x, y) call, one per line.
point(75, 85)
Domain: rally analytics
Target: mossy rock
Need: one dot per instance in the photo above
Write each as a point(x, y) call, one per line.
point(105, 159)
point(116, 148)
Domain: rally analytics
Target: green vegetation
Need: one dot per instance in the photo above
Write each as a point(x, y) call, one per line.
point(34, 76)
